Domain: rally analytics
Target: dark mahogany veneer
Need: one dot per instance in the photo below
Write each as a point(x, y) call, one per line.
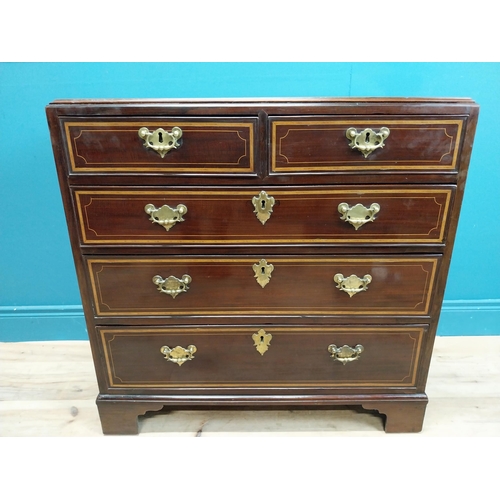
point(297, 152)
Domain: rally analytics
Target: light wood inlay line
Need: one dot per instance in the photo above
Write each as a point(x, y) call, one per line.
point(186, 196)
point(187, 308)
point(100, 127)
point(107, 336)
point(333, 165)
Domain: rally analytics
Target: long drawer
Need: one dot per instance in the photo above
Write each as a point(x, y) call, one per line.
point(270, 216)
point(320, 144)
point(255, 357)
point(203, 146)
point(215, 285)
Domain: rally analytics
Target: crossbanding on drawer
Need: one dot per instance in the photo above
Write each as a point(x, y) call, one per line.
point(260, 285)
point(296, 356)
point(323, 144)
point(253, 216)
point(174, 145)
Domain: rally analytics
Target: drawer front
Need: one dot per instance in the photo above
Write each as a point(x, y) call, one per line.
point(227, 357)
point(321, 144)
point(222, 217)
point(204, 147)
point(214, 286)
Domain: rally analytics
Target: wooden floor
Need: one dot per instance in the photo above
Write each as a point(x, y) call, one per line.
point(49, 389)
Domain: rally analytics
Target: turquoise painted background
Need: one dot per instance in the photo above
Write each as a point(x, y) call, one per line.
point(39, 298)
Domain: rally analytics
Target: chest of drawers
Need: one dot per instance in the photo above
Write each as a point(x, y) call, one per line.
point(262, 253)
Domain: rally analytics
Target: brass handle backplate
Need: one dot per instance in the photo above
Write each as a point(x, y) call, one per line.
point(166, 216)
point(352, 284)
point(358, 214)
point(178, 354)
point(263, 205)
point(160, 140)
point(367, 140)
point(172, 286)
point(345, 354)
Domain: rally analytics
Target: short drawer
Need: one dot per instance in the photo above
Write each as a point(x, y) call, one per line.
point(203, 146)
point(260, 285)
point(231, 216)
point(420, 143)
point(261, 357)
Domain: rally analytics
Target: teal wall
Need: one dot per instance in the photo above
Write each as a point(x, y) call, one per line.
point(39, 298)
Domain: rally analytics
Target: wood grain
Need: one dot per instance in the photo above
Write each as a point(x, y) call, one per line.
point(316, 145)
point(227, 216)
point(227, 286)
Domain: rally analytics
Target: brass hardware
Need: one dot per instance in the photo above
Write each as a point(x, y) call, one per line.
point(345, 354)
point(263, 206)
point(263, 272)
point(178, 354)
point(160, 140)
point(367, 140)
point(358, 214)
point(172, 286)
point(262, 341)
point(166, 216)
point(352, 285)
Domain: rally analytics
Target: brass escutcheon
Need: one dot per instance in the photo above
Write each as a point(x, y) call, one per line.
point(263, 272)
point(358, 214)
point(172, 286)
point(263, 206)
point(262, 341)
point(367, 140)
point(345, 354)
point(178, 354)
point(166, 216)
point(160, 140)
point(352, 284)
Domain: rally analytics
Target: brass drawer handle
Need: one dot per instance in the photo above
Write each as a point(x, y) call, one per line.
point(358, 214)
point(172, 286)
point(178, 354)
point(160, 140)
point(345, 354)
point(166, 216)
point(263, 205)
point(367, 140)
point(352, 284)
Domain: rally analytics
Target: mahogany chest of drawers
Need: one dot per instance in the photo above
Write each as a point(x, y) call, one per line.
point(257, 253)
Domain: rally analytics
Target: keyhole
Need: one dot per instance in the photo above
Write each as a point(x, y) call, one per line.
point(160, 137)
point(262, 338)
point(367, 138)
point(263, 204)
point(263, 270)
